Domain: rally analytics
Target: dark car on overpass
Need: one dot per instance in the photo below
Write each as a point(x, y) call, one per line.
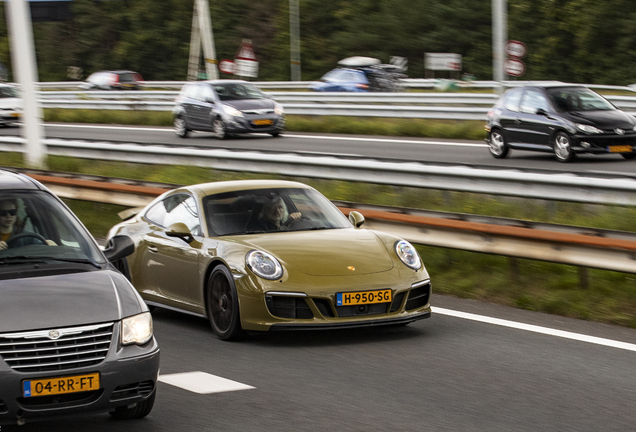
point(563, 119)
point(75, 336)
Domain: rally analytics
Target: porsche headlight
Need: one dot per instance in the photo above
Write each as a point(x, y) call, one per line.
point(136, 329)
point(264, 265)
point(588, 128)
point(278, 109)
point(408, 254)
point(232, 111)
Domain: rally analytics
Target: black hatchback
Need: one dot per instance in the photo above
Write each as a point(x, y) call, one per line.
point(226, 107)
point(563, 119)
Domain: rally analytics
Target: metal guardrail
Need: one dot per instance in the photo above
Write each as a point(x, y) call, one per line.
point(585, 247)
point(597, 189)
point(453, 106)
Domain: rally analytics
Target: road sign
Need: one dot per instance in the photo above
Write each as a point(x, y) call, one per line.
point(227, 66)
point(514, 67)
point(516, 49)
point(443, 61)
point(245, 59)
point(402, 63)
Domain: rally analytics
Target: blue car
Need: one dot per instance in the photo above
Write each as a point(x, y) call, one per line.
point(341, 79)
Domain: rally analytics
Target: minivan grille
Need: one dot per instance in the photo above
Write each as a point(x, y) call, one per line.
point(40, 350)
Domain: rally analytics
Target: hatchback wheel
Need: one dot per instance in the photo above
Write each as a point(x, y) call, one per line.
point(563, 148)
point(223, 305)
point(629, 156)
point(497, 145)
point(275, 134)
point(180, 127)
point(219, 129)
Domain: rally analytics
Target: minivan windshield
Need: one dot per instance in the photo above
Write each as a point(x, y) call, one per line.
point(36, 227)
point(578, 99)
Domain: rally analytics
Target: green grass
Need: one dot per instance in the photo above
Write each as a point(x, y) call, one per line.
point(473, 130)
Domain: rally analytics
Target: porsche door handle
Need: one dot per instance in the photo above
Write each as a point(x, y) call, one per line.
point(153, 249)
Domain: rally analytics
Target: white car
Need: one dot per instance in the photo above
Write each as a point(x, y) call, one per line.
point(10, 105)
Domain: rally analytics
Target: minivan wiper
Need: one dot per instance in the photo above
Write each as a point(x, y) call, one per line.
point(75, 260)
point(25, 259)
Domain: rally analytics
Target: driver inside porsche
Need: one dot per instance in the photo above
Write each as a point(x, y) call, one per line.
point(11, 226)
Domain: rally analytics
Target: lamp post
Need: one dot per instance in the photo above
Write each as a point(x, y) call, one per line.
point(294, 36)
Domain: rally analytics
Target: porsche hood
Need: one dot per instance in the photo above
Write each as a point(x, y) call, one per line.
point(337, 252)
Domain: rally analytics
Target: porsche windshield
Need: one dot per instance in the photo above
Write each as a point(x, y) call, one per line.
point(578, 99)
point(34, 226)
point(271, 210)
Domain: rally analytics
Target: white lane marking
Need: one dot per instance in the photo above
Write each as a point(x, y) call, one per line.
point(536, 329)
point(202, 383)
point(284, 135)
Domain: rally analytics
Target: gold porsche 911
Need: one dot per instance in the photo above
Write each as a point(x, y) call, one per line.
point(261, 255)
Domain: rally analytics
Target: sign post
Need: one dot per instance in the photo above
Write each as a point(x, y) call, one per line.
point(514, 66)
point(25, 74)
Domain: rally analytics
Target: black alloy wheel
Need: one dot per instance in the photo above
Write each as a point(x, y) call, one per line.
point(223, 305)
point(563, 148)
point(497, 145)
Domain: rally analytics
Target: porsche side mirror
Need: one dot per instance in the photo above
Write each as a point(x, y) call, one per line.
point(118, 247)
point(180, 230)
point(356, 219)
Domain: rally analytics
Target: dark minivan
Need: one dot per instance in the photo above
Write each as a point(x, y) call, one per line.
point(563, 119)
point(75, 336)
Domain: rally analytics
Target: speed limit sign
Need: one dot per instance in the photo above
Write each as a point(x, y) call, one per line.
point(514, 67)
point(516, 49)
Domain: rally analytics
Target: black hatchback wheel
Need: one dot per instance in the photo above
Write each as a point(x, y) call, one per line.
point(629, 156)
point(563, 148)
point(497, 145)
point(223, 305)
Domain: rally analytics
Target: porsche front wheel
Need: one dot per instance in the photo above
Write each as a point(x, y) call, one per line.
point(223, 305)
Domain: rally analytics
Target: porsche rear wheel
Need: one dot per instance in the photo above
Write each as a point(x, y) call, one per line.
point(223, 305)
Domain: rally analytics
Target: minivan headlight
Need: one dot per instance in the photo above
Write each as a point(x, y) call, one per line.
point(588, 128)
point(232, 111)
point(136, 329)
point(264, 265)
point(407, 253)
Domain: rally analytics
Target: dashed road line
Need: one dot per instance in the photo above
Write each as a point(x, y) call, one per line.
point(202, 383)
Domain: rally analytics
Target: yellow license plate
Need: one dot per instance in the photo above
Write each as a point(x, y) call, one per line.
point(262, 122)
point(364, 297)
point(620, 149)
point(61, 385)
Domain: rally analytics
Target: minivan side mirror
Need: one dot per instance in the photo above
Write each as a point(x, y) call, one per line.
point(118, 247)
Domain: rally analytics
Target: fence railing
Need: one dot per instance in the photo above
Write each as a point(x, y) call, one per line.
point(598, 189)
point(451, 106)
point(585, 247)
